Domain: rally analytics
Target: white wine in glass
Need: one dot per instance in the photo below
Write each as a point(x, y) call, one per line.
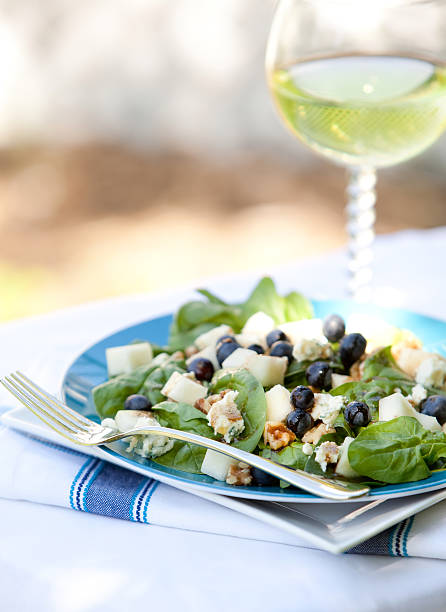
point(377, 99)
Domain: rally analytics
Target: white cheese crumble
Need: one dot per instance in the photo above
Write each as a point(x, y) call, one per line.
point(150, 445)
point(307, 449)
point(225, 418)
point(327, 407)
point(432, 372)
point(327, 452)
point(146, 445)
point(310, 349)
point(308, 339)
point(418, 394)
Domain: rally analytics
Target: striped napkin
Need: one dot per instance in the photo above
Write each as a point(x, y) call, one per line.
point(42, 472)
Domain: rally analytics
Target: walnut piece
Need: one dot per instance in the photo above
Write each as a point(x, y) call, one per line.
point(277, 435)
point(314, 434)
point(239, 474)
point(205, 404)
point(191, 350)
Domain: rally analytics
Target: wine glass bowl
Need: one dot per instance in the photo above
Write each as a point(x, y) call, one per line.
point(362, 83)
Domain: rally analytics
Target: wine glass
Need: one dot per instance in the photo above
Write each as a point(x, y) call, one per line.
point(363, 83)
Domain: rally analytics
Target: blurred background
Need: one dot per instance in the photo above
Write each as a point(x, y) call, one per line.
point(139, 150)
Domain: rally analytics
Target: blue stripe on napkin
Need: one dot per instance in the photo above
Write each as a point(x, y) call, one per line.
point(147, 500)
point(378, 545)
point(391, 542)
point(114, 491)
point(78, 483)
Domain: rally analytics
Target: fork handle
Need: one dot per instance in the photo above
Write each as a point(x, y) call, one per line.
point(317, 485)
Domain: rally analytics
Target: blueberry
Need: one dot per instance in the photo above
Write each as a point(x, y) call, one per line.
point(225, 338)
point(257, 348)
point(435, 406)
point(225, 349)
point(263, 479)
point(357, 414)
point(137, 402)
point(318, 375)
point(282, 349)
point(352, 347)
point(299, 422)
point(302, 398)
point(334, 328)
point(202, 368)
point(276, 336)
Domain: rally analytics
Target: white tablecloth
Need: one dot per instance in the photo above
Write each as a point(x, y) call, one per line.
point(46, 566)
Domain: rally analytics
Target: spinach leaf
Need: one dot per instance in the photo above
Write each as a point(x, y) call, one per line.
point(264, 297)
point(291, 455)
point(295, 374)
point(185, 417)
point(250, 401)
point(180, 339)
point(183, 456)
point(400, 450)
point(109, 397)
point(297, 307)
point(196, 313)
point(213, 299)
point(342, 427)
point(198, 317)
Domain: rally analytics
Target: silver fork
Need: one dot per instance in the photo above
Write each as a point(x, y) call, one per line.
point(80, 430)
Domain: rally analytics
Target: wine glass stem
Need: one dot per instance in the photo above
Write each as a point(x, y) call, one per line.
point(361, 230)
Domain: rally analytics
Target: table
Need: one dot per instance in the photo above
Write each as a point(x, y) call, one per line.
point(45, 565)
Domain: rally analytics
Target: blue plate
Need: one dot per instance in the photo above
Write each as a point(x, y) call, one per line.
point(90, 369)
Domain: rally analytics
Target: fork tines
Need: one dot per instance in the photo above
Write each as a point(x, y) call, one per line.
point(47, 407)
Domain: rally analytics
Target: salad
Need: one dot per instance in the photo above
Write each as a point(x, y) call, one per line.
point(357, 399)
